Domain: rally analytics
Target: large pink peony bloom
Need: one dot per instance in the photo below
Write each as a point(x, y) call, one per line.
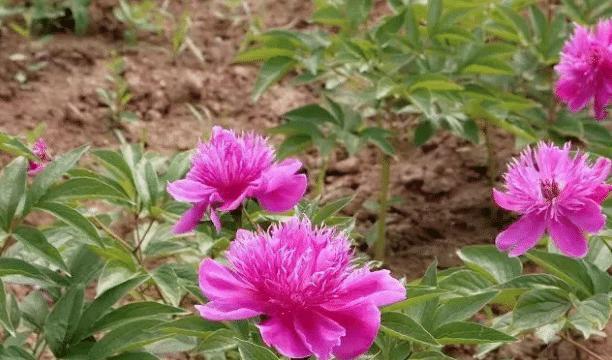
point(553, 192)
point(585, 69)
point(301, 281)
point(230, 168)
point(39, 149)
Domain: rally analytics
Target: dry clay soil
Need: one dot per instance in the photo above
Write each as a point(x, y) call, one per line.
point(442, 189)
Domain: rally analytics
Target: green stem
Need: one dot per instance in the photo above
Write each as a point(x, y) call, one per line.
point(321, 178)
point(383, 207)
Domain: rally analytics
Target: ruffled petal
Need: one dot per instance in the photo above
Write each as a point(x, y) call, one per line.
point(601, 193)
point(376, 287)
point(568, 238)
point(188, 191)
point(361, 323)
point(214, 217)
point(190, 218)
point(505, 201)
point(590, 218)
point(222, 311)
point(319, 333)
point(280, 333)
point(281, 188)
point(231, 299)
point(522, 235)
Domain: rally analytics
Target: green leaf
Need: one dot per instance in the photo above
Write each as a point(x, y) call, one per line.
point(465, 282)
point(271, 72)
point(10, 266)
point(13, 182)
point(412, 28)
point(97, 308)
point(312, 113)
point(434, 12)
point(599, 253)
point(132, 312)
point(329, 15)
point(379, 137)
point(416, 296)
point(571, 271)
point(15, 147)
point(53, 172)
point(83, 188)
point(487, 260)
point(72, 218)
point(250, 351)
point(462, 332)
point(262, 54)
point(168, 283)
point(435, 83)
point(591, 315)
point(35, 240)
point(430, 355)
point(539, 307)
point(331, 209)
point(461, 308)
point(403, 327)
point(63, 319)
point(35, 309)
point(5, 315)
point(192, 325)
point(293, 145)
point(530, 281)
point(134, 356)
point(84, 265)
point(424, 132)
point(128, 337)
point(80, 14)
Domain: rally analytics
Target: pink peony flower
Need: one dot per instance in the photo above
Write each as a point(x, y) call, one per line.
point(300, 279)
point(556, 193)
point(231, 168)
point(39, 149)
point(585, 69)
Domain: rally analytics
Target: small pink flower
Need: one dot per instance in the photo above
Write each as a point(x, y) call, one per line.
point(40, 150)
point(556, 193)
point(231, 168)
point(585, 69)
point(300, 279)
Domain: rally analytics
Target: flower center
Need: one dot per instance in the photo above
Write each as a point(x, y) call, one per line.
point(550, 189)
point(594, 56)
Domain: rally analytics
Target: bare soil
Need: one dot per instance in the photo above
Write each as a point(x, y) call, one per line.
point(442, 189)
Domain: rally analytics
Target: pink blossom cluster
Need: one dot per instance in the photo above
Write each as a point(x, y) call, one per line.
point(556, 193)
point(40, 150)
point(585, 69)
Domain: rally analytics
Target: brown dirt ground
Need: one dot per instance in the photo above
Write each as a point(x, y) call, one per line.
point(442, 187)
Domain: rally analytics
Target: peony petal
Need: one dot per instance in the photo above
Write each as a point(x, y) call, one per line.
point(568, 238)
point(217, 282)
point(220, 311)
point(319, 333)
point(601, 193)
point(231, 298)
point(233, 203)
point(590, 218)
point(361, 323)
point(522, 235)
point(188, 191)
point(190, 218)
point(505, 201)
point(377, 287)
point(280, 333)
